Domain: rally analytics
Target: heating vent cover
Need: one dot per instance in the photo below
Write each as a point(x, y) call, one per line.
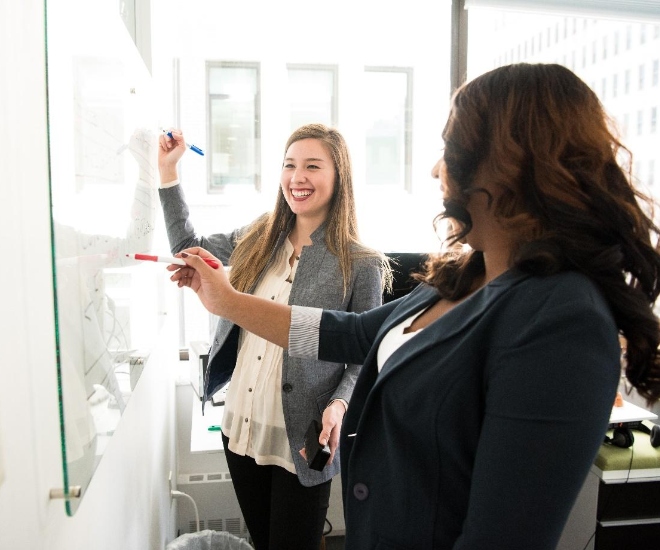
point(216, 502)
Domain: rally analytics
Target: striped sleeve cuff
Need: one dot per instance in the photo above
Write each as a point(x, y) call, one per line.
point(304, 331)
point(170, 183)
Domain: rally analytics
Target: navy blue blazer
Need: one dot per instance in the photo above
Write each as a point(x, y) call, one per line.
point(480, 430)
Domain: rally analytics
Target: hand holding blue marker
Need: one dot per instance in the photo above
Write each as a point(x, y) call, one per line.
point(189, 145)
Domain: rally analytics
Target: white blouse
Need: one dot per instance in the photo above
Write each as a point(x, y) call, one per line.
point(254, 418)
point(395, 338)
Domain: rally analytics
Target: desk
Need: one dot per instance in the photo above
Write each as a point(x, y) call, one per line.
point(619, 505)
point(201, 439)
point(628, 504)
point(630, 413)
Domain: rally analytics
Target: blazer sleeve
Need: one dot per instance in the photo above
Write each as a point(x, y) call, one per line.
point(549, 388)
point(347, 337)
point(367, 294)
point(181, 232)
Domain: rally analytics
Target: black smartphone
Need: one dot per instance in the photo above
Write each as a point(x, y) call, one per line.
point(317, 454)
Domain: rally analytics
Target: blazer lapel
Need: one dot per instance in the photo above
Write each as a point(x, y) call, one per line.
point(448, 325)
point(451, 323)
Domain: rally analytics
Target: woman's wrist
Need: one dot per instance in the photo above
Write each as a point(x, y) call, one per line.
point(343, 403)
point(168, 176)
point(165, 184)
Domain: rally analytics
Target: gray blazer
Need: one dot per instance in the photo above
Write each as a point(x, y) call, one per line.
point(308, 385)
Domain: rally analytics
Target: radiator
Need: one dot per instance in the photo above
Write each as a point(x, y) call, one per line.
point(216, 503)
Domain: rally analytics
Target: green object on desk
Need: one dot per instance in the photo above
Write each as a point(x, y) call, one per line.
point(215, 428)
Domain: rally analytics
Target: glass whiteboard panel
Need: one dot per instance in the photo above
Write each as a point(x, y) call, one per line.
point(102, 142)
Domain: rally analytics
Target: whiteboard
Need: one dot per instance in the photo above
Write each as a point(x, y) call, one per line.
point(103, 183)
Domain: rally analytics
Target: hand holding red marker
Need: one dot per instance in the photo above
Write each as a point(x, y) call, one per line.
point(212, 286)
point(169, 259)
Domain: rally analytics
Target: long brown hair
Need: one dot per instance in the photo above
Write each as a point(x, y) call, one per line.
point(254, 248)
point(544, 139)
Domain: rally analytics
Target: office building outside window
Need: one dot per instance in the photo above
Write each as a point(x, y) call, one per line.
point(632, 105)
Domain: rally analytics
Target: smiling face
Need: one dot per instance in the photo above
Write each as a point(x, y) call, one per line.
point(308, 179)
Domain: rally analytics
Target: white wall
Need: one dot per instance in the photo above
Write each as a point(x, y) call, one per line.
point(127, 505)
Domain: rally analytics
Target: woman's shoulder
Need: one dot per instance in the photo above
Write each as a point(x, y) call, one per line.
point(362, 252)
point(566, 280)
point(564, 288)
point(365, 258)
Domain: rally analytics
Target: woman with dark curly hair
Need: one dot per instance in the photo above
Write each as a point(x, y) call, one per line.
point(486, 392)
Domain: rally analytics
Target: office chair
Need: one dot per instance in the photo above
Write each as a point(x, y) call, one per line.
point(403, 263)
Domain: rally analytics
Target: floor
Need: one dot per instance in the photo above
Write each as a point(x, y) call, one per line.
point(334, 543)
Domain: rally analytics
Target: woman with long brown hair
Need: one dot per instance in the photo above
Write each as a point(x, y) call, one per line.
point(306, 252)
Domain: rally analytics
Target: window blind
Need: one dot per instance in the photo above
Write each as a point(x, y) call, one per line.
point(644, 10)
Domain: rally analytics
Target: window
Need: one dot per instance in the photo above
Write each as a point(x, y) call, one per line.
point(653, 124)
point(616, 42)
point(234, 124)
point(312, 95)
point(388, 126)
point(651, 176)
point(594, 52)
point(247, 93)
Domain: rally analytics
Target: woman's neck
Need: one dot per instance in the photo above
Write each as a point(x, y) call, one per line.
point(495, 264)
point(301, 234)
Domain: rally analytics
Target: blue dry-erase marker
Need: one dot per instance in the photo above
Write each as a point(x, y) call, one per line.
point(190, 146)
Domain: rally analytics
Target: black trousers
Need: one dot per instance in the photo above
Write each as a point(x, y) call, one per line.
point(279, 512)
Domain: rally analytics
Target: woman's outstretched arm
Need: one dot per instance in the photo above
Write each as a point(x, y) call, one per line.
point(259, 316)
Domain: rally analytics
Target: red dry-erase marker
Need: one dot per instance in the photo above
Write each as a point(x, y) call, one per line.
point(170, 259)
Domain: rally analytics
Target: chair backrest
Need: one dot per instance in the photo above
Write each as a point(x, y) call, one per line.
point(403, 263)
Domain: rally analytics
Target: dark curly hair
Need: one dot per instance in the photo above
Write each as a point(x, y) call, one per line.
point(543, 138)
